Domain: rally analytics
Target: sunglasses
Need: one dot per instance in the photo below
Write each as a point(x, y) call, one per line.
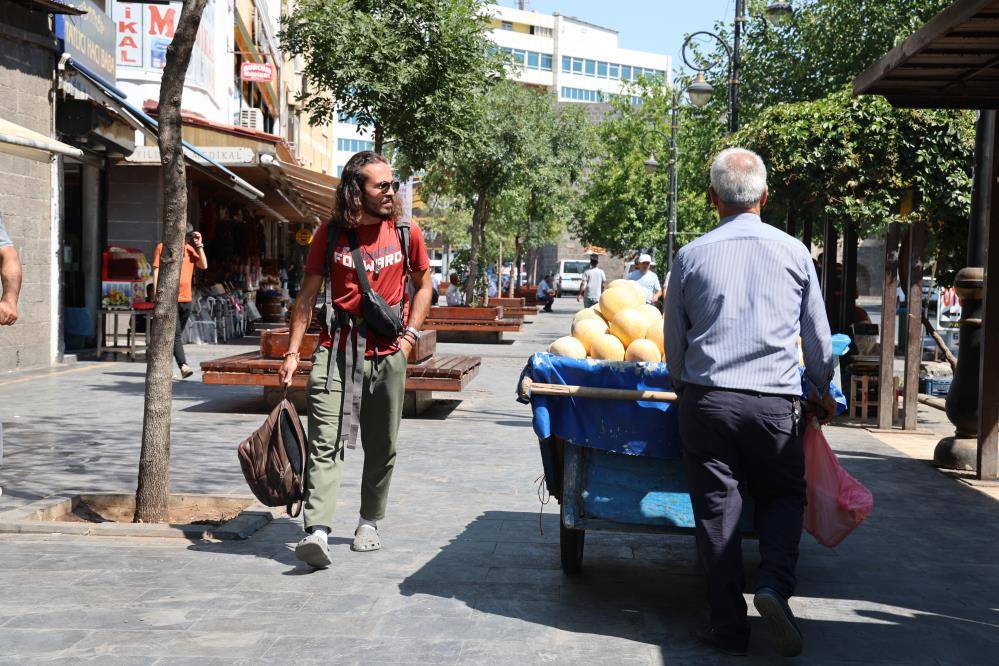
point(384, 186)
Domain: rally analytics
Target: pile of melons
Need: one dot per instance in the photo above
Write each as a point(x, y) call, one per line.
point(621, 327)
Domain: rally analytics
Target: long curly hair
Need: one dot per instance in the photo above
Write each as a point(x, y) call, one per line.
point(348, 203)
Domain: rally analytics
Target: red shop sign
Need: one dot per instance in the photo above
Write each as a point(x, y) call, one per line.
point(259, 72)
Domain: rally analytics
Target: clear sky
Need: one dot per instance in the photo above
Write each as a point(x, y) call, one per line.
point(643, 25)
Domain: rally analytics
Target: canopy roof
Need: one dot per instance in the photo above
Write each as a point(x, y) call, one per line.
point(951, 62)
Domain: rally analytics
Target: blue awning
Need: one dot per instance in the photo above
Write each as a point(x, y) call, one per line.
point(151, 127)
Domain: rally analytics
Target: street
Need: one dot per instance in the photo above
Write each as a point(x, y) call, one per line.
point(470, 571)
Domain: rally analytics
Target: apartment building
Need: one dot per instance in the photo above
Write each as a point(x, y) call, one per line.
point(575, 59)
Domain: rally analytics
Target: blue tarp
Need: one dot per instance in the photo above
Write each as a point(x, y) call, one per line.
point(619, 426)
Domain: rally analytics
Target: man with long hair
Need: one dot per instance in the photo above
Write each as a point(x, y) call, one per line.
point(346, 391)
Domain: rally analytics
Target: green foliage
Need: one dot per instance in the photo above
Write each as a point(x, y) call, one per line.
point(515, 167)
point(852, 159)
point(409, 69)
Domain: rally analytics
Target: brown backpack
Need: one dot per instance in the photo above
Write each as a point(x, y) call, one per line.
point(274, 460)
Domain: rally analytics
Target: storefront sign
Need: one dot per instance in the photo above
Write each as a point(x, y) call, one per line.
point(225, 155)
point(258, 72)
point(144, 31)
point(303, 236)
point(89, 38)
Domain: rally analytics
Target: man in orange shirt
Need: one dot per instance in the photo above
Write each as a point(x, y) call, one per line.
point(194, 256)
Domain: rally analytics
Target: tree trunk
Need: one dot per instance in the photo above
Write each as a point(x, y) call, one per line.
point(515, 269)
point(480, 215)
point(152, 496)
point(379, 138)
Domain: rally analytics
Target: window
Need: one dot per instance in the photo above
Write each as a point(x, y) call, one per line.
point(546, 62)
point(348, 119)
point(591, 68)
point(518, 56)
point(614, 71)
point(541, 32)
point(566, 64)
point(577, 65)
point(354, 145)
point(581, 95)
point(506, 25)
point(339, 170)
point(532, 59)
point(626, 72)
point(602, 70)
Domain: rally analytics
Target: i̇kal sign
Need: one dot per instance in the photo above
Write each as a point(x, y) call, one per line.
point(258, 72)
point(88, 38)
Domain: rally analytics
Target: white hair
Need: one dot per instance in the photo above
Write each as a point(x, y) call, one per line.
point(739, 177)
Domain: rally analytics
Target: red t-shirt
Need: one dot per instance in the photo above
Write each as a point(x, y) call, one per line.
point(382, 256)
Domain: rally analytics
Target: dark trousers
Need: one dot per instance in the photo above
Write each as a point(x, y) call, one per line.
point(743, 445)
point(547, 301)
point(183, 314)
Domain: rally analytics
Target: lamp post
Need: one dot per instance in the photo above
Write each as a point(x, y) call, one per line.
point(700, 91)
point(651, 166)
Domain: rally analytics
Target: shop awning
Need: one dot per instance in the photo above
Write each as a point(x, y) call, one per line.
point(951, 62)
point(20, 141)
point(317, 190)
point(195, 157)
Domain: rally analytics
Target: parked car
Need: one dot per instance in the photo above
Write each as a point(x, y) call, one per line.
point(569, 278)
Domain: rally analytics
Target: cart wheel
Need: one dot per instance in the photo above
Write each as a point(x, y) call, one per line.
point(571, 542)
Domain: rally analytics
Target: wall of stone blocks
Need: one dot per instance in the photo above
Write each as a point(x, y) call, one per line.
point(26, 71)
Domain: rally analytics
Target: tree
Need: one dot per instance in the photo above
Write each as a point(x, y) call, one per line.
point(851, 160)
point(409, 69)
point(516, 138)
point(152, 495)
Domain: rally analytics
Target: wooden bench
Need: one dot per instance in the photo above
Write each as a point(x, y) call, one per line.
point(472, 325)
point(529, 293)
point(425, 372)
point(515, 307)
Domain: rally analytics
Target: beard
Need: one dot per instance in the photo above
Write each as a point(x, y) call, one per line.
point(373, 206)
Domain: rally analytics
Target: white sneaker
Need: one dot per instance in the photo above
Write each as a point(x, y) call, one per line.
point(314, 551)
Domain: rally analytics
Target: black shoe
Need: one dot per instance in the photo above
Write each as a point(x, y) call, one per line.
point(731, 646)
point(784, 633)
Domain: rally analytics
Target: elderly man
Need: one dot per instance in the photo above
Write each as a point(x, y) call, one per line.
point(647, 278)
point(738, 299)
point(546, 293)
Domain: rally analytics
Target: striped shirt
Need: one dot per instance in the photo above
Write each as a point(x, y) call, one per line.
point(737, 301)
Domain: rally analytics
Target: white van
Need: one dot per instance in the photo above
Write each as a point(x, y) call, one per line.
point(569, 278)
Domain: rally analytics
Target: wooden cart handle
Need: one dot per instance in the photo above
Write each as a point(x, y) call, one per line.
point(529, 387)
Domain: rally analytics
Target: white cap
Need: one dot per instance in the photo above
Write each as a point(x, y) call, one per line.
point(644, 258)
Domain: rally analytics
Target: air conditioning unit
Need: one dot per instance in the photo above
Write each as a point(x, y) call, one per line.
point(252, 119)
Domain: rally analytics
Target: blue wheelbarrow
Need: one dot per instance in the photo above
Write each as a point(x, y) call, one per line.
point(610, 446)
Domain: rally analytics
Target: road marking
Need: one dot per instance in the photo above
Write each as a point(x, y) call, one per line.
point(61, 372)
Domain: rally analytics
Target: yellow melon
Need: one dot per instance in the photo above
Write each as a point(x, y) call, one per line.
point(585, 313)
point(613, 301)
point(652, 314)
point(629, 325)
point(596, 308)
point(607, 348)
point(568, 346)
point(629, 284)
point(588, 329)
point(643, 350)
point(655, 334)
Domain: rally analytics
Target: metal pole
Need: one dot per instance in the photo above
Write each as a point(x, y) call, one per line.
point(740, 17)
point(671, 238)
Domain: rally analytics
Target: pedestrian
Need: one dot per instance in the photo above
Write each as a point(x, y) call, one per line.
point(647, 278)
point(435, 281)
point(546, 294)
point(351, 389)
point(10, 281)
point(194, 257)
point(455, 295)
point(739, 297)
point(594, 280)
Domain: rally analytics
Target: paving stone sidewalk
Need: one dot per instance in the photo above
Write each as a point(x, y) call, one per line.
point(467, 575)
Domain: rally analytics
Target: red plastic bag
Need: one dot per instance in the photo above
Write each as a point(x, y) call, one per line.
point(837, 502)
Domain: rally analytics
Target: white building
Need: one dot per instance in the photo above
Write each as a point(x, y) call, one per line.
point(575, 59)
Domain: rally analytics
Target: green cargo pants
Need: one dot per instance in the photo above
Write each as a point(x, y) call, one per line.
point(381, 411)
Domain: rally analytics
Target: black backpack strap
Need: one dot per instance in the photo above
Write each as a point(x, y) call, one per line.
point(402, 228)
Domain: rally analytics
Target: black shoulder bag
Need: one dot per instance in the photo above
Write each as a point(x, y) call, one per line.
point(378, 316)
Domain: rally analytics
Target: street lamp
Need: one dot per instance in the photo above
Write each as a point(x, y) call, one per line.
point(651, 166)
point(778, 12)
